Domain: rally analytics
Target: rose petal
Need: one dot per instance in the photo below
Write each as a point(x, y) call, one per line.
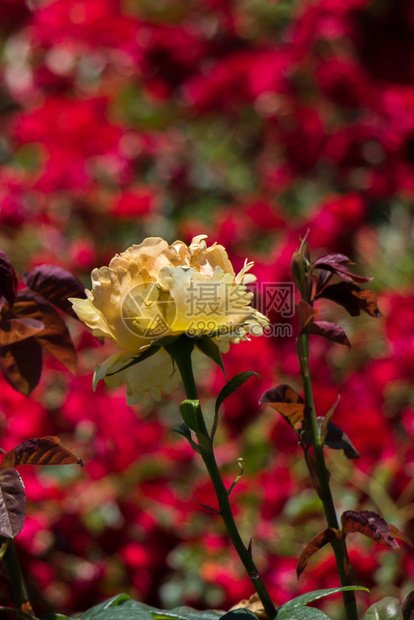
point(152, 375)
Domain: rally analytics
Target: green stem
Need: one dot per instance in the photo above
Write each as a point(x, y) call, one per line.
point(15, 578)
point(339, 546)
point(181, 352)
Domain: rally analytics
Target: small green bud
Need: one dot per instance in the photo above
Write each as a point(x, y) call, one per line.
point(190, 410)
point(296, 270)
point(300, 270)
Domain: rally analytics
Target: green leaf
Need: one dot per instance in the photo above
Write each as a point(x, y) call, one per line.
point(114, 607)
point(193, 614)
point(230, 387)
point(302, 613)
point(56, 617)
point(238, 614)
point(183, 430)
point(121, 607)
point(164, 341)
point(165, 615)
point(234, 383)
point(137, 359)
point(209, 348)
point(388, 608)
point(190, 410)
point(309, 597)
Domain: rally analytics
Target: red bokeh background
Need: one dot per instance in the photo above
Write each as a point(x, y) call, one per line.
point(252, 122)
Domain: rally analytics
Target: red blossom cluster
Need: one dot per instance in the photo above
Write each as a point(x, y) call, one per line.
point(251, 122)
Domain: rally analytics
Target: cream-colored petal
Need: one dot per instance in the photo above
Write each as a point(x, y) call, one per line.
point(143, 253)
point(119, 295)
point(154, 375)
point(243, 277)
point(182, 251)
point(216, 256)
point(196, 249)
point(254, 325)
point(153, 254)
point(223, 343)
point(205, 260)
point(205, 305)
point(91, 316)
point(111, 365)
point(198, 242)
point(258, 319)
point(154, 290)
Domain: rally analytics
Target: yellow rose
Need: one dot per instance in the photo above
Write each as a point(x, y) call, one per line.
point(154, 290)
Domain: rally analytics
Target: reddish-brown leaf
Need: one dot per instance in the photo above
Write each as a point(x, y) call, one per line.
point(8, 279)
point(396, 533)
point(41, 451)
point(16, 330)
point(306, 313)
point(370, 524)
point(351, 297)
point(27, 609)
point(333, 259)
point(56, 285)
point(12, 503)
point(323, 279)
point(55, 336)
point(336, 264)
point(336, 439)
point(328, 330)
point(367, 301)
point(21, 364)
point(319, 541)
point(286, 401)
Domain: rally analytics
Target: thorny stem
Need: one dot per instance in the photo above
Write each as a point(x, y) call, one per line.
point(15, 577)
point(338, 545)
point(181, 352)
